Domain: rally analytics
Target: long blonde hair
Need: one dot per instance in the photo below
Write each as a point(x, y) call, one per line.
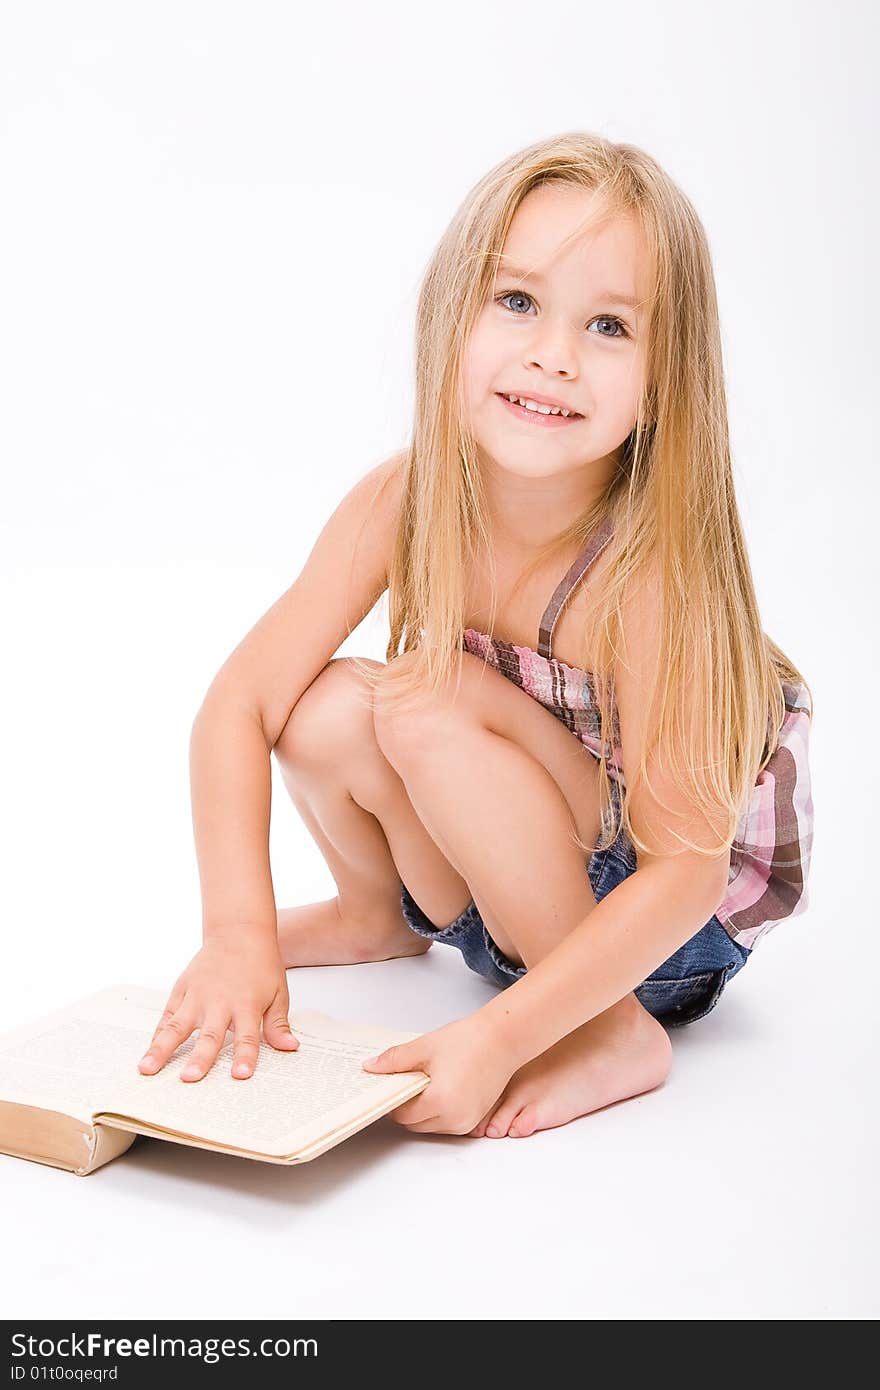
point(671, 502)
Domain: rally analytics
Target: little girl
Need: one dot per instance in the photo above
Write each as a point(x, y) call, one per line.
point(586, 768)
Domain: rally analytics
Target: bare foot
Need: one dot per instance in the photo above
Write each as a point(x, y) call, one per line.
point(321, 934)
point(620, 1053)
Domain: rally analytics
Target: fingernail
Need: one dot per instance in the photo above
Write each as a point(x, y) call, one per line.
point(190, 1071)
point(369, 1060)
point(241, 1069)
point(148, 1060)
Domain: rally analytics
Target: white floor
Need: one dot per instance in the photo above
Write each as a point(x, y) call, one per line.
point(745, 1187)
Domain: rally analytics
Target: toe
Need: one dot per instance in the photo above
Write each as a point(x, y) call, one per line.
point(500, 1122)
point(524, 1123)
point(479, 1130)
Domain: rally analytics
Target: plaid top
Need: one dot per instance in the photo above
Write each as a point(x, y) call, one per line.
point(770, 854)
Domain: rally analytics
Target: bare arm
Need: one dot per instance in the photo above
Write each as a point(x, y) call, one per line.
point(230, 791)
point(642, 922)
point(649, 916)
point(238, 974)
point(252, 696)
point(344, 576)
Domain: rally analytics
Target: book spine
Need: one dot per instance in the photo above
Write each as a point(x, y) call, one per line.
point(104, 1144)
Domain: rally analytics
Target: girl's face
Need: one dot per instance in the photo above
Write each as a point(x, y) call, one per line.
point(567, 333)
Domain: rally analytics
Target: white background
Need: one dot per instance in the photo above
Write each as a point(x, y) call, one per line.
point(215, 223)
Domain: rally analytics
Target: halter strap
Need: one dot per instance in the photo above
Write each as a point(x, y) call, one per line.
point(566, 587)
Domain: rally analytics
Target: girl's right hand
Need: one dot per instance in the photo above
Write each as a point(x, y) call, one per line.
point(229, 983)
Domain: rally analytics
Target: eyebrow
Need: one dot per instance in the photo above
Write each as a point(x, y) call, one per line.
point(609, 296)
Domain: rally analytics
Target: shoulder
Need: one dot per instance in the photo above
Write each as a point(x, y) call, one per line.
point(382, 486)
point(380, 493)
point(390, 479)
point(392, 472)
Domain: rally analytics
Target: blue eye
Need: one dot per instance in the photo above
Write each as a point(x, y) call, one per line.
point(512, 294)
point(603, 318)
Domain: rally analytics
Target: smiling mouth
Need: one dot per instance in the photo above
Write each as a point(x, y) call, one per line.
point(543, 415)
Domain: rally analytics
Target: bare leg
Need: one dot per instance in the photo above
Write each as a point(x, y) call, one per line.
point(364, 921)
point(341, 785)
point(620, 1053)
point(502, 822)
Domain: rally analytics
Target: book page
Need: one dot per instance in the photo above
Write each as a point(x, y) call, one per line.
point(87, 1057)
point(59, 1062)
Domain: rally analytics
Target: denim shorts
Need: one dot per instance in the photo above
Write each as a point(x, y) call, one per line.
point(684, 988)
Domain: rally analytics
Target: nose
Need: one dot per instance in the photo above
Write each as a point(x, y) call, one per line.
point(552, 350)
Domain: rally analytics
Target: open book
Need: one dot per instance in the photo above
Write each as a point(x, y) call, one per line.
point(71, 1094)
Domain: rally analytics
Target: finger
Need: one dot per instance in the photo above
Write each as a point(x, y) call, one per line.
point(276, 1024)
point(440, 1124)
point(167, 1039)
point(410, 1110)
point(402, 1057)
point(212, 1035)
point(418, 1108)
point(175, 999)
point(433, 1125)
point(247, 1044)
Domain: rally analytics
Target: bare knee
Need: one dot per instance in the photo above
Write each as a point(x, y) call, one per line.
point(485, 699)
point(402, 733)
point(333, 716)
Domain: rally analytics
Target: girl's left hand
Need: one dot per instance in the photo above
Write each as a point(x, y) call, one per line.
point(468, 1072)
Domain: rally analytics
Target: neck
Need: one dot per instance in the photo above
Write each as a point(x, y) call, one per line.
point(528, 513)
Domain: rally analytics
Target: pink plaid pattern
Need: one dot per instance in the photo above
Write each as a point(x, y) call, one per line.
point(770, 855)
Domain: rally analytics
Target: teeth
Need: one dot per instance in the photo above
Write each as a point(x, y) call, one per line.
point(542, 409)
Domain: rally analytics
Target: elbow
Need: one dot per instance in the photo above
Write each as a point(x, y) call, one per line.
point(692, 877)
point(717, 879)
